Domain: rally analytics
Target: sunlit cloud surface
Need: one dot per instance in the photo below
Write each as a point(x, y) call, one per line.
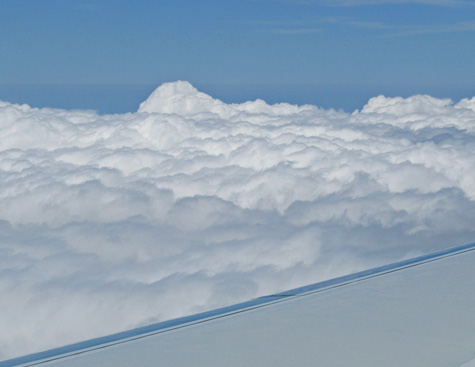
point(109, 222)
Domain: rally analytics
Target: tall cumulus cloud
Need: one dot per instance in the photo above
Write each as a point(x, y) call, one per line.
point(109, 222)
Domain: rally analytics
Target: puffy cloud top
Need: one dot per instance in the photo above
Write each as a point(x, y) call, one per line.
point(412, 105)
point(108, 222)
point(180, 98)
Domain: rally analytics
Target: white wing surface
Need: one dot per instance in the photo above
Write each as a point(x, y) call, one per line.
point(419, 312)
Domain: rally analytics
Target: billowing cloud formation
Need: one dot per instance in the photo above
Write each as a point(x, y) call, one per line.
point(108, 222)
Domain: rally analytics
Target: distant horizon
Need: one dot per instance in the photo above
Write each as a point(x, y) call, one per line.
point(113, 98)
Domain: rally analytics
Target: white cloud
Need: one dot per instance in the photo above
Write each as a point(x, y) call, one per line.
point(108, 222)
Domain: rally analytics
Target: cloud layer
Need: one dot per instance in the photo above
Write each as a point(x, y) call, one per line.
point(108, 222)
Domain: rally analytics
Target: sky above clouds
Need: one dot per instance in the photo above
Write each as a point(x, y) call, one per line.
point(205, 192)
point(239, 48)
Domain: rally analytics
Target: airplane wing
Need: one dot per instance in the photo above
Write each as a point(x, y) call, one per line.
point(419, 312)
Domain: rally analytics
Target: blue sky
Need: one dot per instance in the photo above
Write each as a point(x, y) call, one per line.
point(296, 51)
